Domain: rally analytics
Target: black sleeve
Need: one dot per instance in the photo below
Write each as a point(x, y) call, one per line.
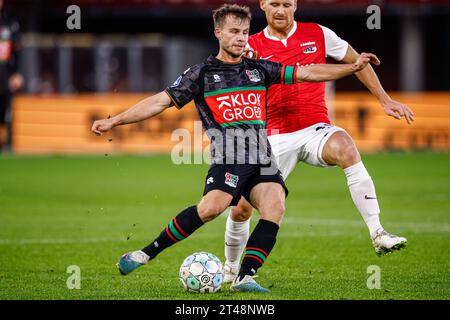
point(277, 73)
point(185, 88)
point(272, 71)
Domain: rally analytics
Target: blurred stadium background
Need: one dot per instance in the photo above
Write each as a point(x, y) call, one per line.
point(59, 207)
point(126, 50)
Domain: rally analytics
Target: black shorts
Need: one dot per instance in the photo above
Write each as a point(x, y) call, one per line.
point(239, 179)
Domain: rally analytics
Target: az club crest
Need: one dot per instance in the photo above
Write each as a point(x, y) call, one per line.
point(310, 50)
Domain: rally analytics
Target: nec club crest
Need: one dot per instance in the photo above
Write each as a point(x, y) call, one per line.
point(231, 179)
point(253, 75)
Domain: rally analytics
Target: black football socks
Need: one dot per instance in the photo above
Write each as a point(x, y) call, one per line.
point(258, 248)
point(181, 227)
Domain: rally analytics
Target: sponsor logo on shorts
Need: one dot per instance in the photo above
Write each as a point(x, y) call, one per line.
point(231, 179)
point(210, 180)
point(324, 126)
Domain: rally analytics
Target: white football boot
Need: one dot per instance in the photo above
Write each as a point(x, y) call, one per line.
point(230, 272)
point(385, 243)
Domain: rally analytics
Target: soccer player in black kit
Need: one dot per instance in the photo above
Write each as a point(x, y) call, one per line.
point(10, 79)
point(229, 92)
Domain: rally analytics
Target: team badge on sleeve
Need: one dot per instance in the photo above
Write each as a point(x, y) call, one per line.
point(177, 82)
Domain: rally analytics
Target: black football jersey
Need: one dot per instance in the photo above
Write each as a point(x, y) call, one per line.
point(231, 101)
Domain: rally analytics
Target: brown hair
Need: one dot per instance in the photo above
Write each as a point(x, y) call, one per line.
point(220, 14)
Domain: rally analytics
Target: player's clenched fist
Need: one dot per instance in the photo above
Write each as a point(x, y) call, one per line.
point(364, 59)
point(101, 126)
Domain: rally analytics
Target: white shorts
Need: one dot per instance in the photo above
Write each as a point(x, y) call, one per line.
point(305, 145)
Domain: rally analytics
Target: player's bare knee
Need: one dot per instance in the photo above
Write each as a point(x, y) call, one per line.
point(348, 155)
point(208, 212)
point(241, 213)
point(279, 208)
point(343, 150)
point(273, 211)
point(208, 209)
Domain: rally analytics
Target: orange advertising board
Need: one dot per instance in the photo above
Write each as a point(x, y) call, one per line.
point(364, 118)
point(61, 124)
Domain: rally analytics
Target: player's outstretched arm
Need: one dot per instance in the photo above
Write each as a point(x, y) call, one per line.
point(370, 79)
point(144, 109)
point(329, 72)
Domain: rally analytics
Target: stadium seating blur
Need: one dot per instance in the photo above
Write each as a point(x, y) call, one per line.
point(129, 49)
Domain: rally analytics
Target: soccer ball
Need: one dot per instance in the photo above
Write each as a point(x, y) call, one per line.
point(201, 272)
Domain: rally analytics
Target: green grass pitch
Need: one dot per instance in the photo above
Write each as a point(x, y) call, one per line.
point(86, 211)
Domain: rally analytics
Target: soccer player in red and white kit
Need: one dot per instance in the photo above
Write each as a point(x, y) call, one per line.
point(302, 132)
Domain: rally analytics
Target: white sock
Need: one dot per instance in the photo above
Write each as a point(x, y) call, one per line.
point(364, 196)
point(236, 236)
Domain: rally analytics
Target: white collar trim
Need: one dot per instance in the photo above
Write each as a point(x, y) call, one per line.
point(284, 41)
